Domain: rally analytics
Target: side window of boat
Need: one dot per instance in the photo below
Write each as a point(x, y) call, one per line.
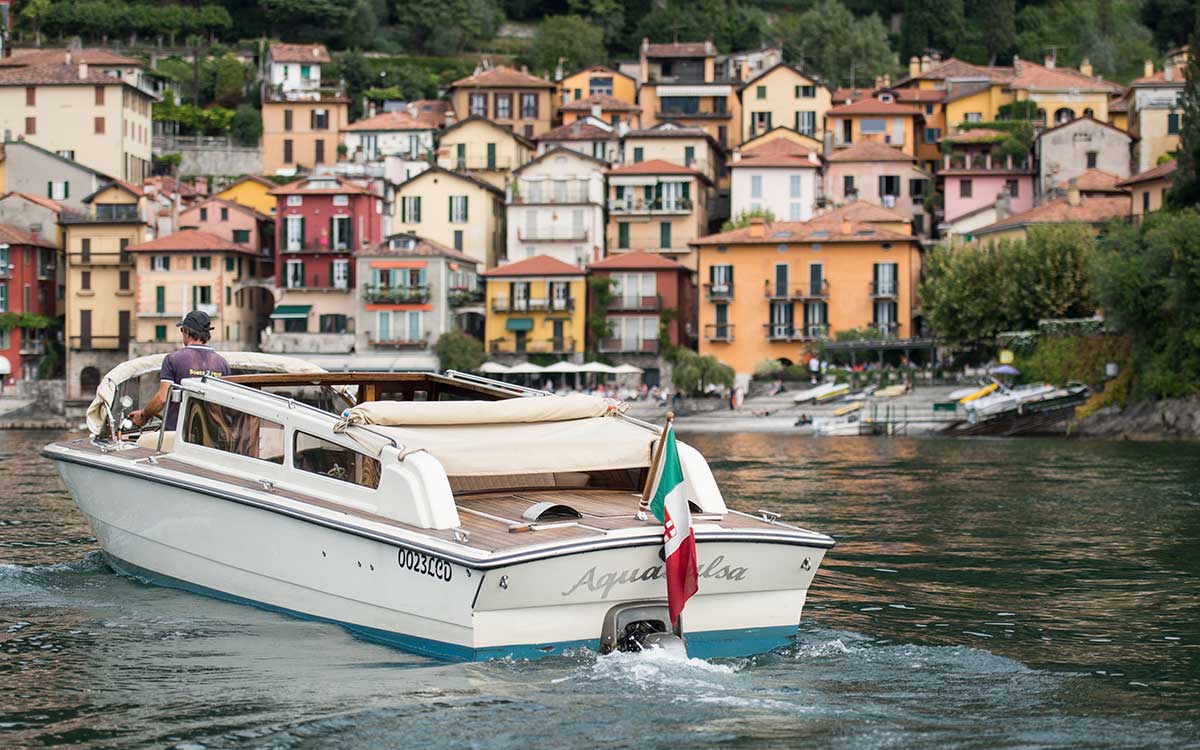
point(331, 460)
point(233, 431)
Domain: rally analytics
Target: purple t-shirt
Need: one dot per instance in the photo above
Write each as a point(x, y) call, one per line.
point(191, 361)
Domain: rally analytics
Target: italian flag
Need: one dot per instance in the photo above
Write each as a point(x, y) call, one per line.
point(679, 541)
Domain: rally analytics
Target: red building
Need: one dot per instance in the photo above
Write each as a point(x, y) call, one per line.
point(27, 273)
point(320, 221)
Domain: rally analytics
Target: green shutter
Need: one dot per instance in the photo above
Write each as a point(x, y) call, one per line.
point(330, 232)
point(664, 234)
point(302, 231)
point(50, 189)
point(466, 207)
point(623, 235)
point(687, 191)
point(418, 200)
point(450, 209)
point(160, 299)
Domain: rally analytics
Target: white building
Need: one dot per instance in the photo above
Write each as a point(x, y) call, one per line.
point(294, 70)
point(555, 207)
point(779, 176)
point(588, 136)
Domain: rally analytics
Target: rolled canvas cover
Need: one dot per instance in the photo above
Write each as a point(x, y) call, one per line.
point(507, 411)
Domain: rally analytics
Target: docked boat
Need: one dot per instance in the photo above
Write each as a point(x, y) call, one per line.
point(816, 392)
point(832, 426)
point(1004, 399)
point(449, 515)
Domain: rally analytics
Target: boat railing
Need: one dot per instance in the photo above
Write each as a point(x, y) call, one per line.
point(481, 380)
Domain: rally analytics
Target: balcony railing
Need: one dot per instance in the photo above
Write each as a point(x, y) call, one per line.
point(629, 346)
point(718, 291)
point(399, 344)
point(887, 330)
point(643, 206)
point(310, 91)
point(399, 295)
point(578, 194)
point(718, 332)
point(533, 304)
point(697, 115)
point(884, 289)
point(315, 287)
point(32, 347)
point(88, 343)
point(478, 163)
point(463, 297)
point(799, 291)
point(5, 273)
point(553, 234)
point(651, 302)
point(985, 163)
point(311, 247)
point(533, 346)
point(783, 332)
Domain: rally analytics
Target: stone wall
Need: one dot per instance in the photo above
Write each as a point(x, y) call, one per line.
point(218, 157)
point(1155, 420)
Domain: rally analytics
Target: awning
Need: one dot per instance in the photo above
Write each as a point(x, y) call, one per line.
point(519, 324)
point(291, 312)
point(5, 365)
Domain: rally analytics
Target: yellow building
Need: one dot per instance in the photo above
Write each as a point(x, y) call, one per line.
point(512, 98)
point(783, 96)
point(101, 283)
point(769, 290)
point(193, 270)
point(1149, 189)
point(80, 112)
point(455, 209)
point(536, 306)
point(658, 207)
point(597, 80)
point(603, 107)
point(881, 120)
point(484, 148)
point(1155, 112)
point(812, 144)
point(252, 191)
point(1062, 94)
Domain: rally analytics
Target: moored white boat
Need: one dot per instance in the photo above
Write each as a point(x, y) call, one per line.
point(1003, 400)
point(458, 520)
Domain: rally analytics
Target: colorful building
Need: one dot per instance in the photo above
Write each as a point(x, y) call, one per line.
point(646, 285)
point(779, 176)
point(880, 121)
point(1062, 94)
point(32, 170)
point(555, 208)
point(587, 135)
point(602, 107)
point(882, 175)
point(1156, 112)
point(596, 81)
point(454, 209)
point(680, 84)
point(658, 207)
point(27, 287)
point(689, 147)
point(302, 116)
point(783, 96)
point(252, 191)
point(511, 98)
point(486, 149)
point(408, 133)
point(1149, 189)
point(536, 306)
point(1076, 208)
point(772, 289)
point(975, 180)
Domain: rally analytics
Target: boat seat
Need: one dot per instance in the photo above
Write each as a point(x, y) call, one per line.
point(149, 440)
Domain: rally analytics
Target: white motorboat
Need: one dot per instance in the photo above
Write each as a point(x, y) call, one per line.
point(830, 426)
point(817, 392)
point(448, 515)
point(1004, 399)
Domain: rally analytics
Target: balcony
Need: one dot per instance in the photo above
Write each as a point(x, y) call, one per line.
point(311, 247)
point(718, 332)
point(533, 304)
point(887, 330)
point(799, 291)
point(464, 297)
point(397, 344)
point(91, 343)
point(639, 304)
point(309, 91)
point(575, 192)
point(32, 347)
point(478, 163)
point(400, 295)
point(986, 163)
point(533, 346)
point(697, 115)
point(718, 292)
point(629, 346)
point(5, 271)
point(553, 234)
point(782, 332)
point(884, 289)
point(315, 287)
point(642, 206)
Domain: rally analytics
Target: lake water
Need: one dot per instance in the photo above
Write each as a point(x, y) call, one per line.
point(989, 593)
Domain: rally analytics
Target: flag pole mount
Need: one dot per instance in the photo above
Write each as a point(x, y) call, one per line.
point(655, 460)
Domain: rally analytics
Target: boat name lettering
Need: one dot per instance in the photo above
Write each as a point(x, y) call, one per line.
point(607, 581)
point(421, 563)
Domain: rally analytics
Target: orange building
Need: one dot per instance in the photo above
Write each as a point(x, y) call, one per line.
point(597, 81)
point(882, 120)
point(302, 117)
point(508, 97)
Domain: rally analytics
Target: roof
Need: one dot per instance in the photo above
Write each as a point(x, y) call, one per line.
point(189, 240)
point(846, 94)
point(599, 68)
point(39, 200)
point(1159, 78)
point(873, 107)
point(1091, 210)
point(778, 152)
point(91, 56)
point(828, 228)
point(1118, 104)
point(298, 53)
point(976, 135)
point(669, 130)
point(1163, 171)
point(681, 49)
point(863, 211)
point(538, 265)
point(561, 150)
point(1030, 75)
point(1094, 181)
point(10, 235)
point(954, 68)
point(1077, 120)
point(250, 178)
point(435, 169)
point(128, 187)
point(395, 121)
point(168, 184)
point(583, 129)
point(636, 259)
point(59, 75)
point(606, 102)
point(956, 90)
point(869, 151)
point(479, 118)
point(653, 166)
point(919, 95)
point(501, 77)
point(258, 215)
point(296, 187)
point(772, 69)
point(420, 247)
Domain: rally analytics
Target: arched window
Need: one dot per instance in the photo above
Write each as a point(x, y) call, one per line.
point(89, 379)
point(1064, 114)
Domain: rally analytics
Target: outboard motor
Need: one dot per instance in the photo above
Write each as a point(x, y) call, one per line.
point(637, 626)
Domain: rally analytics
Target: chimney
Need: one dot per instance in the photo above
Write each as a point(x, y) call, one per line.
point(525, 69)
point(737, 155)
point(827, 144)
point(70, 57)
point(1147, 68)
point(1085, 67)
point(1017, 68)
point(83, 71)
point(1073, 193)
point(1169, 70)
point(622, 128)
point(371, 109)
point(758, 226)
point(847, 228)
point(559, 74)
point(887, 80)
point(1049, 60)
point(878, 82)
point(926, 62)
point(576, 127)
point(597, 113)
point(914, 66)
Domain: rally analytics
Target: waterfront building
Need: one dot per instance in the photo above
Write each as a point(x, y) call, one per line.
point(970, 94)
point(233, 222)
point(779, 176)
point(680, 84)
point(772, 289)
point(1148, 190)
point(744, 65)
point(1155, 103)
point(89, 106)
point(878, 121)
point(1067, 151)
point(659, 207)
point(27, 287)
point(883, 175)
point(510, 98)
point(33, 170)
point(412, 290)
point(486, 149)
point(587, 135)
point(39, 217)
point(555, 208)
point(195, 270)
point(454, 209)
point(169, 197)
point(536, 306)
point(253, 191)
point(784, 96)
point(596, 81)
point(302, 115)
point(980, 187)
point(932, 103)
point(1075, 208)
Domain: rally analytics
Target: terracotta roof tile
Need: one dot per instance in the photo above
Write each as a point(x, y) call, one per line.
point(414, 246)
point(636, 259)
point(607, 103)
point(1069, 123)
point(258, 215)
point(873, 107)
point(1030, 75)
point(10, 235)
point(1118, 104)
point(869, 151)
point(57, 75)
point(538, 265)
point(683, 49)
point(502, 77)
point(862, 211)
point(299, 53)
point(189, 240)
point(297, 187)
point(580, 130)
point(778, 152)
point(1091, 210)
point(1163, 171)
point(395, 121)
point(919, 95)
point(1094, 181)
point(1160, 79)
point(849, 95)
point(828, 228)
point(39, 200)
point(653, 166)
point(91, 56)
point(955, 68)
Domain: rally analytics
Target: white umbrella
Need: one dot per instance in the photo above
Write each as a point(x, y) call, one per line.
point(561, 367)
point(627, 369)
point(494, 368)
point(526, 368)
point(597, 367)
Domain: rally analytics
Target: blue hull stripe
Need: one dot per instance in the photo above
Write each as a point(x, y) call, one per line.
point(703, 645)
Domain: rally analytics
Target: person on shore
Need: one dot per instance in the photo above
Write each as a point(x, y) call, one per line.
point(194, 360)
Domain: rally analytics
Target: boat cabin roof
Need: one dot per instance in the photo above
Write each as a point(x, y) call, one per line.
point(390, 386)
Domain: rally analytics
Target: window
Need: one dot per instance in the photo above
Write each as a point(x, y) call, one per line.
point(4, 298)
point(689, 155)
point(872, 126)
point(99, 96)
point(229, 263)
point(529, 106)
point(933, 135)
point(319, 119)
point(964, 189)
point(116, 211)
point(160, 299)
point(30, 126)
point(928, 109)
point(806, 92)
point(458, 209)
point(916, 189)
point(333, 323)
point(458, 239)
point(160, 333)
point(1173, 123)
point(201, 262)
point(341, 200)
point(623, 235)
point(806, 122)
point(293, 232)
point(503, 106)
point(67, 153)
point(123, 281)
point(760, 122)
point(664, 234)
point(599, 85)
point(58, 190)
point(761, 92)
point(478, 105)
point(287, 119)
point(1091, 159)
point(318, 456)
point(30, 96)
point(85, 250)
point(1014, 188)
point(756, 186)
point(295, 200)
point(288, 156)
point(224, 214)
point(160, 263)
point(795, 212)
point(410, 209)
point(973, 117)
point(638, 154)
point(1146, 202)
point(241, 236)
point(203, 214)
point(848, 189)
point(85, 280)
point(340, 233)
point(794, 188)
point(319, 151)
point(226, 429)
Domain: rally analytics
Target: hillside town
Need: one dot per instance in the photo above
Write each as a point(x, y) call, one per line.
point(617, 213)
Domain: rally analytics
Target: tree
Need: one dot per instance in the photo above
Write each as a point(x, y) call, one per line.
point(1169, 20)
point(1186, 190)
point(459, 351)
point(570, 38)
point(448, 26)
point(609, 15)
point(1108, 34)
point(828, 40)
point(35, 12)
point(727, 23)
point(362, 25)
point(600, 297)
point(693, 373)
point(932, 25)
point(998, 22)
point(742, 219)
point(229, 81)
point(246, 126)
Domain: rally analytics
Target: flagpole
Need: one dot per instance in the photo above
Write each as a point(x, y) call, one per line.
point(644, 505)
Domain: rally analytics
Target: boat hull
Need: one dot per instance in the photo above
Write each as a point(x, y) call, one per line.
point(750, 599)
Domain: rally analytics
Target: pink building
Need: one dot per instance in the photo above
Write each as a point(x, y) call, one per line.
point(883, 175)
point(974, 182)
point(231, 221)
